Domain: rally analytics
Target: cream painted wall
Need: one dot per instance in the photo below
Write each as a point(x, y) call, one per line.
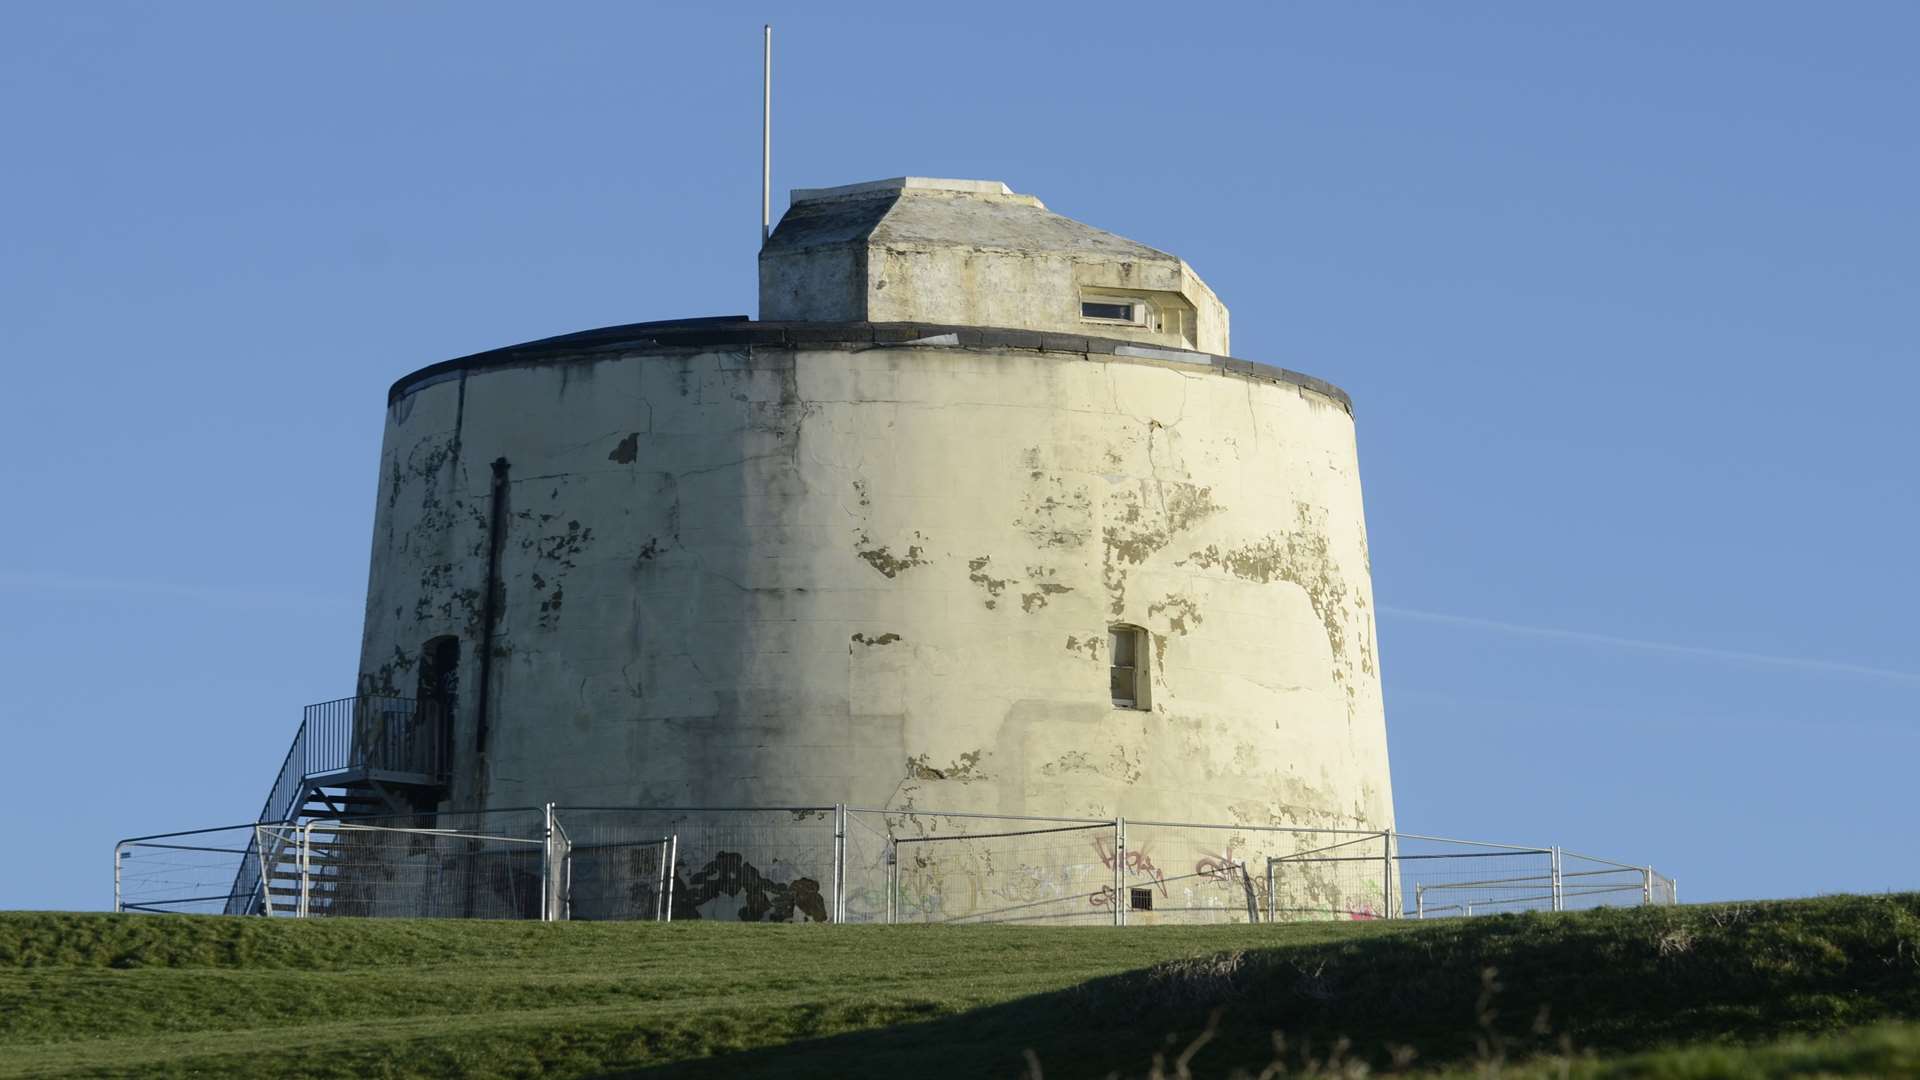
point(885, 577)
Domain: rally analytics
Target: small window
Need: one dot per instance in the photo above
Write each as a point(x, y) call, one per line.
point(1126, 649)
point(1142, 899)
point(1115, 311)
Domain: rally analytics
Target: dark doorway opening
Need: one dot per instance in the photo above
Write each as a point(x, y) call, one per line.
point(438, 693)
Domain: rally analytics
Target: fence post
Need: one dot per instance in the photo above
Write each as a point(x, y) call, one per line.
point(1646, 887)
point(260, 859)
point(117, 849)
point(1386, 872)
point(546, 867)
point(1559, 884)
point(660, 885)
point(673, 870)
point(1119, 869)
point(303, 908)
point(893, 880)
point(838, 913)
point(1271, 914)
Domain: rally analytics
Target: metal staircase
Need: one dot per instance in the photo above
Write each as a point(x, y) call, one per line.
point(359, 757)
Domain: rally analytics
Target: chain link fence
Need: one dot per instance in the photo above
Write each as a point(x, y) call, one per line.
point(840, 864)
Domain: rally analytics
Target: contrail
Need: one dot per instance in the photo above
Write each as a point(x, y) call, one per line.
point(1798, 663)
point(211, 594)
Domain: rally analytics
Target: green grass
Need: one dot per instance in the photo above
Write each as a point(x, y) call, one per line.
point(1787, 988)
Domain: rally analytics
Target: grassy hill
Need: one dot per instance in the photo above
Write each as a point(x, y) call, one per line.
point(1726, 990)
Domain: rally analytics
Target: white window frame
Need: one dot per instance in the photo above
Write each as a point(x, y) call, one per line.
point(1142, 683)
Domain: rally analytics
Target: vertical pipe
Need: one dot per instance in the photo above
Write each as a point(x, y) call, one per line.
point(1119, 866)
point(893, 880)
point(766, 132)
point(1559, 899)
point(118, 908)
point(489, 603)
point(1646, 887)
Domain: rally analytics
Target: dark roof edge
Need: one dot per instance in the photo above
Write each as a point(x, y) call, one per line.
point(740, 330)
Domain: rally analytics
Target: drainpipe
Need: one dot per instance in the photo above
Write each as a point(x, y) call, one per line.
point(489, 608)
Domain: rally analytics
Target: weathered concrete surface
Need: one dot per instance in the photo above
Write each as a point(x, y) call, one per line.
point(974, 253)
point(884, 576)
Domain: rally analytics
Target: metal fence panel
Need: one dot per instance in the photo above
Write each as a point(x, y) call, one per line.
point(915, 866)
point(193, 872)
point(1439, 877)
point(739, 864)
point(388, 871)
point(1183, 872)
point(840, 864)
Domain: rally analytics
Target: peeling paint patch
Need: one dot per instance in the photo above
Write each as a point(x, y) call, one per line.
point(966, 769)
point(1034, 601)
point(883, 639)
point(1124, 766)
point(1092, 646)
point(1071, 761)
point(628, 449)
point(1031, 602)
point(993, 586)
point(380, 680)
point(558, 549)
point(1137, 529)
point(550, 609)
point(1180, 611)
point(885, 561)
point(1301, 556)
point(1055, 514)
point(561, 548)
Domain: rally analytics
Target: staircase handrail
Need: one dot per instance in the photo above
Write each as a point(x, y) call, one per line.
point(334, 735)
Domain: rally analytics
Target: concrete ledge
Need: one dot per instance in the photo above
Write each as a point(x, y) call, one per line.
point(738, 330)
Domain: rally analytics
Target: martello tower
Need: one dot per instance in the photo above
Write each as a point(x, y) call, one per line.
point(979, 515)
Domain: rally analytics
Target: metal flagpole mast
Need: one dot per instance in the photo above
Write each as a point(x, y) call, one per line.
point(766, 132)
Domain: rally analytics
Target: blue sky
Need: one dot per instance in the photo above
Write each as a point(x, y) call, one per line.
point(1625, 294)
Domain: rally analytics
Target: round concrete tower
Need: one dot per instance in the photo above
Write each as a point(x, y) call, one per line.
point(979, 516)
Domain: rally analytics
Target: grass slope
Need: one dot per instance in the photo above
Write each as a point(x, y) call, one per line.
point(1682, 992)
